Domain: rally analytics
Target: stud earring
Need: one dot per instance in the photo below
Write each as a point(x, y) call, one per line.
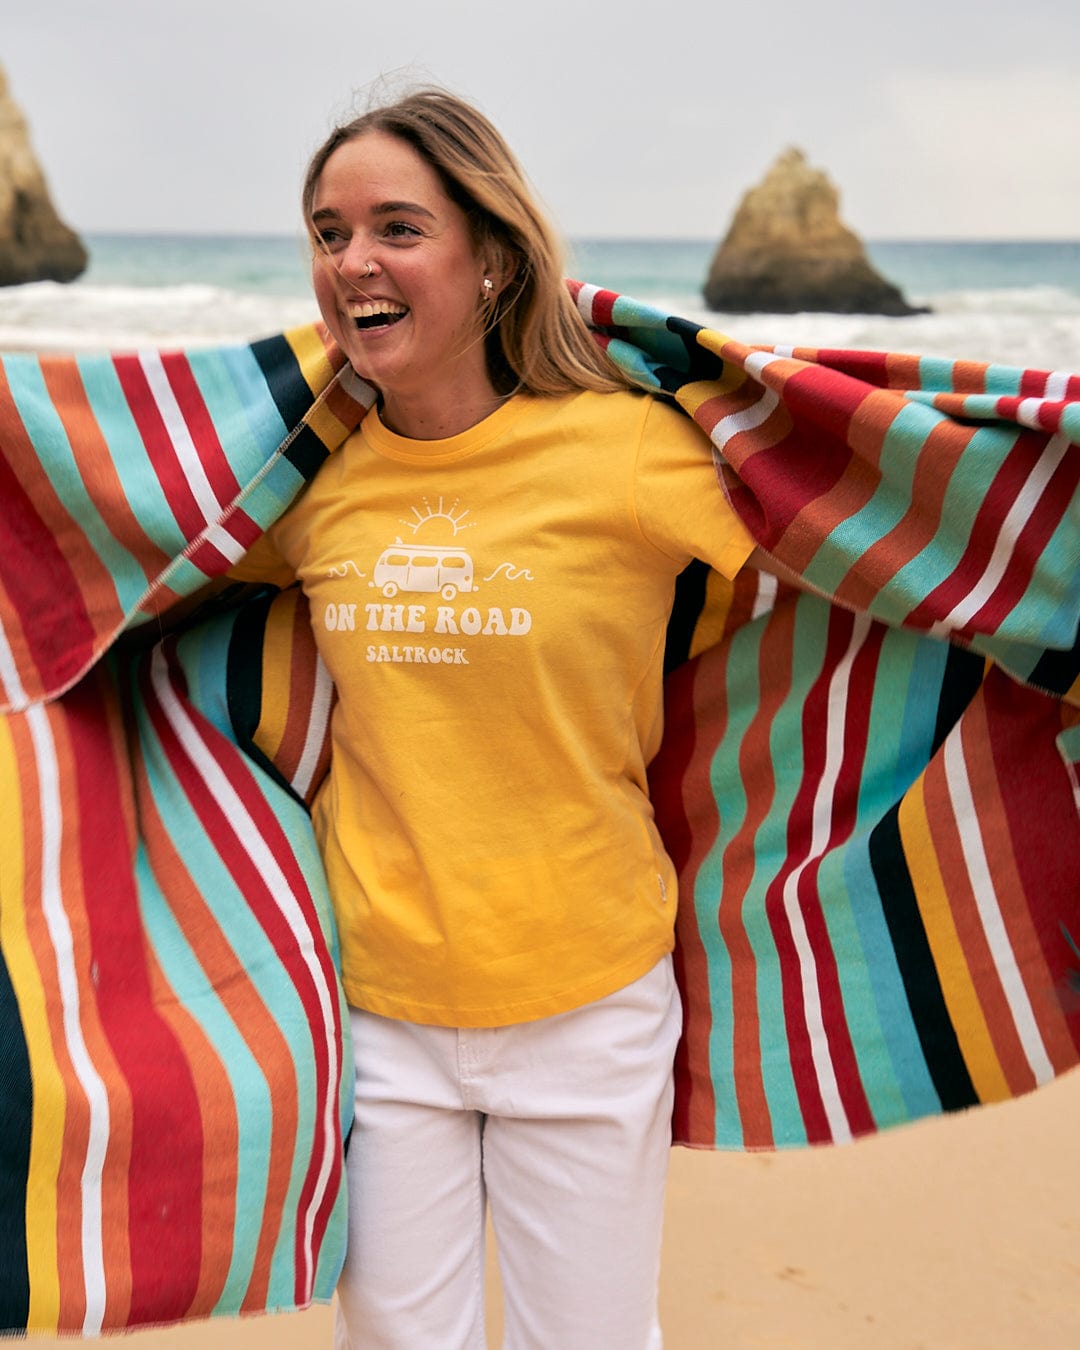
point(489, 287)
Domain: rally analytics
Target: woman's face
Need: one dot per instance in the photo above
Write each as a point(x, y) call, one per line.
point(397, 276)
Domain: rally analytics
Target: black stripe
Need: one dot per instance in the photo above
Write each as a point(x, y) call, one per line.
point(244, 682)
point(284, 378)
point(701, 364)
point(934, 1027)
point(16, 1114)
point(293, 399)
point(689, 602)
point(1057, 671)
point(960, 682)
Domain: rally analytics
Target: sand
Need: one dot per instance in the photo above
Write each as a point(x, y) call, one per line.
point(958, 1234)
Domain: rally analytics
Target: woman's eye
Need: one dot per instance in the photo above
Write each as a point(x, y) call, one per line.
point(329, 240)
point(401, 229)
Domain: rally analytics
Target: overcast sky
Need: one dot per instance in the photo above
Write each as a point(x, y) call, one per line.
point(949, 121)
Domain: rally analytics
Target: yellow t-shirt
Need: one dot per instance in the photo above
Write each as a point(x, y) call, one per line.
point(492, 609)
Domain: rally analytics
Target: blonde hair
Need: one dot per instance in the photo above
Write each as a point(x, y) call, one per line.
point(535, 338)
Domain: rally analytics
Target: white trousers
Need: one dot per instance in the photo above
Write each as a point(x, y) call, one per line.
point(563, 1126)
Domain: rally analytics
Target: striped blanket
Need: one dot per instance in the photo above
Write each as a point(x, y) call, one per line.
point(870, 789)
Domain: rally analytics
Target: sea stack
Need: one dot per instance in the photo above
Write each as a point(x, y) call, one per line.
point(35, 244)
point(787, 251)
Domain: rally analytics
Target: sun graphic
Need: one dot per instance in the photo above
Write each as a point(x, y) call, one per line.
point(453, 514)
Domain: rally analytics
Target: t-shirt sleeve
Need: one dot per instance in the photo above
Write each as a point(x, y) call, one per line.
point(263, 562)
point(681, 507)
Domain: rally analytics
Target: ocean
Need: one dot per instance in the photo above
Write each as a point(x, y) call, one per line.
point(1013, 302)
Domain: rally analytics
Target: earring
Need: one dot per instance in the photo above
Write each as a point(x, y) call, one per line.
point(489, 287)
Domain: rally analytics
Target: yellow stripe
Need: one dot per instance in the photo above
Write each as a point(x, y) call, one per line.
point(961, 997)
point(277, 658)
point(709, 629)
point(310, 352)
point(47, 1123)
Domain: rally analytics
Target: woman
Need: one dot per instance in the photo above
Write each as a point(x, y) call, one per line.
point(490, 561)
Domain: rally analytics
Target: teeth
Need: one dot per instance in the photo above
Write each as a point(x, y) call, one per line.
point(369, 309)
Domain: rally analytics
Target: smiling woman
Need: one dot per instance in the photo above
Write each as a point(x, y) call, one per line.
point(401, 285)
point(504, 901)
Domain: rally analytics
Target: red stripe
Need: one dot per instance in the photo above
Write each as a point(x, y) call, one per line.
point(1008, 483)
point(816, 728)
point(603, 303)
point(165, 1165)
point(694, 1115)
point(1023, 726)
point(197, 418)
point(228, 838)
point(812, 458)
point(47, 584)
point(159, 446)
point(843, 816)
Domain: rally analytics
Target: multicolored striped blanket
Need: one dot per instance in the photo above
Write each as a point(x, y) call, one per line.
point(870, 789)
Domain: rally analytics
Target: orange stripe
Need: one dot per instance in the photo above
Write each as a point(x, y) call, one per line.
point(974, 950)
point(957, 985)
point(261, 1034)
point(103, 484)
point(71, 1297)
point(1008, 885)
point(943, 449)
point(739, 863)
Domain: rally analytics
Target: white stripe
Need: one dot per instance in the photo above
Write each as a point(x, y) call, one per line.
point(15, 691)
point(220, 538)
point(179, 435)
point(765, 598)
point(1018, 515)
point(824, 799)
point(316, 729)
point(250, 836)
point(356, 386)
point(1057, 385)
point(1027, 412)
point(56, 919)
point(756, 362)
point(585, 301)
point(746, 420)
point(997, 937)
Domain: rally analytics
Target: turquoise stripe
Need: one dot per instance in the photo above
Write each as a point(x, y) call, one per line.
point(240, 405)
point(892, 1065)
point(43, 425)
point(936, 374)
point(130, 459)
point(197, 995)
point(887, 1048)
point(275, 990)
point(1004, 380)
point(633, 362)
point(888, 504)
point(203, 655)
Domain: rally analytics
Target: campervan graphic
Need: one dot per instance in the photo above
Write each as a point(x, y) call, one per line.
point(447, 571)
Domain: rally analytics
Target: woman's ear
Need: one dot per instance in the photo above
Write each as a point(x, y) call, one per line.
point(500, 267)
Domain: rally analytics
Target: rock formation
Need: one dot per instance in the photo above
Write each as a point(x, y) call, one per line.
point(787, 251)
point(35, 244)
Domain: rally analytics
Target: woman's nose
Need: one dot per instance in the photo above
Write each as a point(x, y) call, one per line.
point(356, 262)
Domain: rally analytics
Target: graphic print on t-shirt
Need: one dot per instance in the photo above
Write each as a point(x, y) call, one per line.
point(422, 584)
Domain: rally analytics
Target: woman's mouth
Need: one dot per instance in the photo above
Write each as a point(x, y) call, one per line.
point(369, 314)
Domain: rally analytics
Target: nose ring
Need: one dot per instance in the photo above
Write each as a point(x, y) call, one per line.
point(370, 270)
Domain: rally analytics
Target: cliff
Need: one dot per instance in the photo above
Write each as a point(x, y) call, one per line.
point(788, 251)
point(35, 244)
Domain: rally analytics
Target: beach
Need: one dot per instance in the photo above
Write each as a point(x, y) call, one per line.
point(960, 1233)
